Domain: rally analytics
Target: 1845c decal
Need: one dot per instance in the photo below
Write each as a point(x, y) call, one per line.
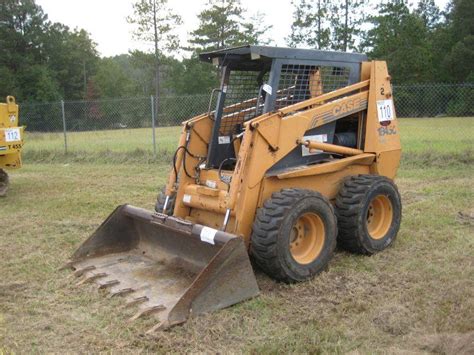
point(387, 131)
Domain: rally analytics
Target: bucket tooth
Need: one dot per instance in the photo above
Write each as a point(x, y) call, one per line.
point(136, 301)
point(122, 292)
point(155, 328)
point(67, 265)
point(147, 311)
point(80, 272)
point(91, 278)
point(108, 284)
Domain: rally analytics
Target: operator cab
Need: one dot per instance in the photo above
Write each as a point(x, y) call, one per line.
point(260, 79)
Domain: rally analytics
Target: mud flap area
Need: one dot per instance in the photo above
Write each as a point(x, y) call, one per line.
point(165, 266)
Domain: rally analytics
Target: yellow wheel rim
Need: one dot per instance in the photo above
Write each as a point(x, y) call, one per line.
point(307, 238)
point(379, 216)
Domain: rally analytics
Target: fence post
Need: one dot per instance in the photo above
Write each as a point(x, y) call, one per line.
point(64, 126)
point(152, 100)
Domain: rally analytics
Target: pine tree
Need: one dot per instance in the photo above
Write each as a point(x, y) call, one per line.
point(310, 25)
point(156, 23)
point(222, 25)
point(347, 16)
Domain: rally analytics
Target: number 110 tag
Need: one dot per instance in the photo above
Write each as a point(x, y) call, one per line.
point(385, 110)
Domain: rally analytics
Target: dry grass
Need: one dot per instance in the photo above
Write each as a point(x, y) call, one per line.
point(417, 296)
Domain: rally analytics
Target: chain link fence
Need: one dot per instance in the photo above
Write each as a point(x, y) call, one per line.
point(143, 125)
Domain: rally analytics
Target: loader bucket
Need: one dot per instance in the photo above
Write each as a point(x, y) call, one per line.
point(165, 266)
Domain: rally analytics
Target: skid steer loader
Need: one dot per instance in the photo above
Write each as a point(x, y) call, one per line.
point(11, 141)
point(299, 151)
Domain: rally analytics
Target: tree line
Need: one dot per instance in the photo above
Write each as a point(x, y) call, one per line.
point(43, 61)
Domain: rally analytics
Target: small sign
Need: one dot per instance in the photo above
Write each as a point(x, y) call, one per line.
point(385, 110)
point(321, 138)
point(224, 139)
point(208, 234)
point(267, 88)
point(211, 183)
point(12, 135)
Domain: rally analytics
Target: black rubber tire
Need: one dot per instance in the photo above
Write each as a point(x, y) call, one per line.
point(352, 204)
point(160, 202)
point(270, 241)
point(4, 183)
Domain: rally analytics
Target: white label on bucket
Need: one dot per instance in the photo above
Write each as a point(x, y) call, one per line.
point(208, 234)
point(187, 198)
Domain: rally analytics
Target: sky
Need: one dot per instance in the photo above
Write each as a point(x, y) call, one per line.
point(105, 20)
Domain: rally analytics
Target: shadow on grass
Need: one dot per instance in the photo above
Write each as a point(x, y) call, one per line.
point(140, 156)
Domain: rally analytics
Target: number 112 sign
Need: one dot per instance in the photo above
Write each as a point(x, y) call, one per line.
point(385, 110)
point(12, 135)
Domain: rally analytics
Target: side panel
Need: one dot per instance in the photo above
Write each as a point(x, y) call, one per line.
point(382, 134)
point(11, 136)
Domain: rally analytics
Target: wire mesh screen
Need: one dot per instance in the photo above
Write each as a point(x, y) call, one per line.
point(244, 99)
point(302, 82)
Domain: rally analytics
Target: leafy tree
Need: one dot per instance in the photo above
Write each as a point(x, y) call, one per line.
point(400, 37)
point(156, 23)
point(72, 57)
point(22, 25)
point(429, 12)
point(112, 81)
point(42, 61)
point(459, 60)
point(310, 25)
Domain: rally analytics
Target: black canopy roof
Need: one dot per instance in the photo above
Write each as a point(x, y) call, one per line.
point(256, 56)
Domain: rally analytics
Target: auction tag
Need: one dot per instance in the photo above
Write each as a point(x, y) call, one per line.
point(208, 234)
point(12, 135)
point(385, 110)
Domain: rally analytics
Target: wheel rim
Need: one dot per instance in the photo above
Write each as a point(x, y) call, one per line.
point(307, 238)
point(379, 216)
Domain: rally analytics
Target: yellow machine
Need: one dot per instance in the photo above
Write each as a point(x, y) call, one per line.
point(11, 141)
point(299, 154)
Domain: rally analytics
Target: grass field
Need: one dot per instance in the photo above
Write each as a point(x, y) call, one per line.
point(416, 297)
point(446, 135)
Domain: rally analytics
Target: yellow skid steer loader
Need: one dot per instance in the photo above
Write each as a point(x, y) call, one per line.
point(11, 141)
point(299, 153)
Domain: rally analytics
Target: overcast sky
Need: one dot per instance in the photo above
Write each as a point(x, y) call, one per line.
point(105, 19)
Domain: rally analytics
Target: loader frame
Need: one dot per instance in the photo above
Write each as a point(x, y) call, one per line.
point(208, 199)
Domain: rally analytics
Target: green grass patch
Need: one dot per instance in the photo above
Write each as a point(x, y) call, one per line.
point(438, 141)
point(415, 296)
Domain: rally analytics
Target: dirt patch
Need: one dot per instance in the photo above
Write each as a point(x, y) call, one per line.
point(12, 288)
point(465, 217)
point(449, 343)
point(393, 319)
